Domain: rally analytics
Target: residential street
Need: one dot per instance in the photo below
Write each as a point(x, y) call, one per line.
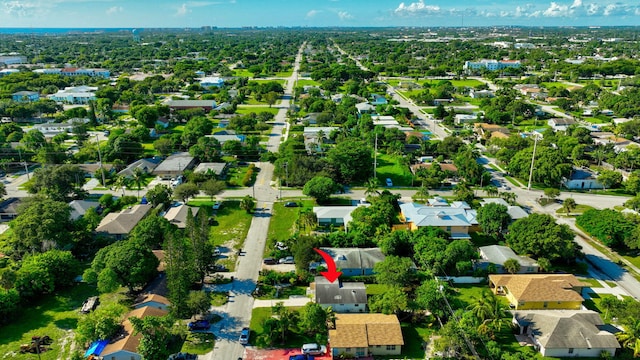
point(237, 312)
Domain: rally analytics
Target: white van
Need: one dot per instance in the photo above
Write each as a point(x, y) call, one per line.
point(314, 349)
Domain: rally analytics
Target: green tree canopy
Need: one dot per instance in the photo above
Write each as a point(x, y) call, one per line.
point(320, 188)
point(538, 235)
point(493, 218)
point(41, 224)
point(57, 182)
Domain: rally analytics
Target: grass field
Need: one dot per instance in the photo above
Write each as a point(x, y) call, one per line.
point(456, 83)
point(53, 315)
point(258, 317)
point(232, 223)
point(307, 82)
point(198, 343)
point(593, 283)
point(580, 208)
point(550, 85)
point(376, 289)
point(283, 219)
point(256, 109)
point(236, 174)
point(242, 73)
point(279, 81)
point(284, 73)
point(389, 166)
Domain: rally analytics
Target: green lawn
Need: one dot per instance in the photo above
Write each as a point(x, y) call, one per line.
point(198, 343)
point(279, 81)
point(53, 315)
point(218, 298)
point(466, 293)
point(268, 292)
point(376, 289)
point(580, 208)
point(242, 73)
point(456, 83)
point(594, 304)
point(306, 82)
point(282, 220)
point(232, 223)
point(550, 85)
point(593, 283)
point(235, 175)
point(389, 166)
point(258, 316)
point(284, 73)
point(256, 109)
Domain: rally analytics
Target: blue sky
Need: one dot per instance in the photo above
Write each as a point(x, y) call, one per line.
point(236, 13)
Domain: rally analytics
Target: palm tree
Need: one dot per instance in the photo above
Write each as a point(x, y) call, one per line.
point(569, 204)
point(598, 154)
point(491, 313)
point(138, 178)
point(121, 182)
point(491, 190)
point(247, 204)
point(630, 338)
point(372, 187)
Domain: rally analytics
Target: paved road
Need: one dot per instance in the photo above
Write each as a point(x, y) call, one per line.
point(237, 313)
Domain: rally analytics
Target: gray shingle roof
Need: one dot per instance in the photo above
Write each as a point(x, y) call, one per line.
point(563, 329)
point(340, 293)
point(355, 258)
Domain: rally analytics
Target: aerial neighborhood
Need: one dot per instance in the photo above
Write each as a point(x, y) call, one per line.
point(254, 193)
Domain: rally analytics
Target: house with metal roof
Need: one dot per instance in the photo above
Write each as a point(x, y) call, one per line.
point(25, 96)
point(146, 165)
point(455, 219)
point(362, 335)
point(80, 207)
point(354, 261)
point(343, 297)
point(334, 215)
point(218, 169)
point(539, 291)
point(514, 211)
point(174, 165)
point(498, 255)
point(567, 333)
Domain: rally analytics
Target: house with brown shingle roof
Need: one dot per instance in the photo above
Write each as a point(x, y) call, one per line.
point(366, 334)
point(125, 346)
point(539, 291)
point(154, 301)
point(120, 224)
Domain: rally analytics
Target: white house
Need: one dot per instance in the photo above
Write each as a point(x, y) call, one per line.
point(567, 333)
point(498, 255)
point(560, 124)
point(75, 95)
point(211, 81)
point(581, 179)
point(465, 118)
point(334, 215)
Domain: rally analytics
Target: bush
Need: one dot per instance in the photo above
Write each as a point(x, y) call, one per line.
point(248, 177)
point(611, 227)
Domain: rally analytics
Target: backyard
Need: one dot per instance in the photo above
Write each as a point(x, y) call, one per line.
point(391, 166)
point(55, 316)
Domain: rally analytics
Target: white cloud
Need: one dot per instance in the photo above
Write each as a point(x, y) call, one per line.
point(343, 15)
point(557, 10)
point(312, 13)
point(183, 10)
point(18, 8)
point(114, 10)
point(576, 4)
point(416, 8)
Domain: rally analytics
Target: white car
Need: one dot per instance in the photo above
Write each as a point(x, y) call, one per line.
point(217, 252)
point(286, 260)
point(314, 349)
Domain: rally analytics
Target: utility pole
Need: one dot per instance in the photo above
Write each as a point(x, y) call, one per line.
point(26, 169)
point(533, 157)
point(286, 171)
point(100, 159)
point(375, 157)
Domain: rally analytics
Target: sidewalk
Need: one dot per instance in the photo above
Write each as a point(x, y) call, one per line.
point(291, 301)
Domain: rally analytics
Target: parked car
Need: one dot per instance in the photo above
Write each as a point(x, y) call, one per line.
point(269, 261)
point(218, 268)
point(301, 357)
point(281, 246)
point(313, 349)
point(216, 252)
point(182, 356)
point(217, 205)
point(291, 204)
point(244, 336)
point(286, 260)
point(389, 182)
point(199, 325)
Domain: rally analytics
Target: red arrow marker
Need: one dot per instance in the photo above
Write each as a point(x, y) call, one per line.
point(332, 274)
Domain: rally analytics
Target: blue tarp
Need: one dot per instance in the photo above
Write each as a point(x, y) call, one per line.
point(96, 348)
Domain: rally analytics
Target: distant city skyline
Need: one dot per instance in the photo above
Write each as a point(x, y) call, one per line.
point(347, 13)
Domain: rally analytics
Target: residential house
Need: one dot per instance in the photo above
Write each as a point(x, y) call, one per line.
point(456, 220)
point(103, 73)
point(80, 207)
point(125, 347)
point(487, 131)
point(619, 144)
point(5, 72)
point(218, 169)
point(377, 99)
point(9, 209)
point(581, 179)
point(567, 333)
point(365, 108)
point(211, 81)
point(120, 224)
point(481, 94)
point(152, 300)
point(52, 129)
point(342, 297)
point(354, 261)
point(359, 335)
point(13, 59)
point(223, 138)
point(560, 124)
point(177, 215)
point(174, 165)
point(311, 118)
point(75, 95)
point(206, 105)
point(146, 165)
point(25, 96)
point(461, 119)
point(514, 211)
point(539, 291)
point(498, 255)
point(334, 215)
point(490, 64)
point(314, 137)
point(451, 169)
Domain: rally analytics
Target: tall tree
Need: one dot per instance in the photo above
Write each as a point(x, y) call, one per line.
point(138, 178)
point(568, 205)
point(156, 334)
point(42, 224)
point(57, 182)
point(197, 231)
point(493, 218)
point(540, 236)
point(392, 301)
point(184, 191)
point(247, 204)
point(179, 269)
point(320, 188)
point(394, 270)
point(160, 194)
point(212, 187)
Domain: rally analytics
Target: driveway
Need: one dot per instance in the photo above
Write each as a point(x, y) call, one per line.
point(252, 353)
